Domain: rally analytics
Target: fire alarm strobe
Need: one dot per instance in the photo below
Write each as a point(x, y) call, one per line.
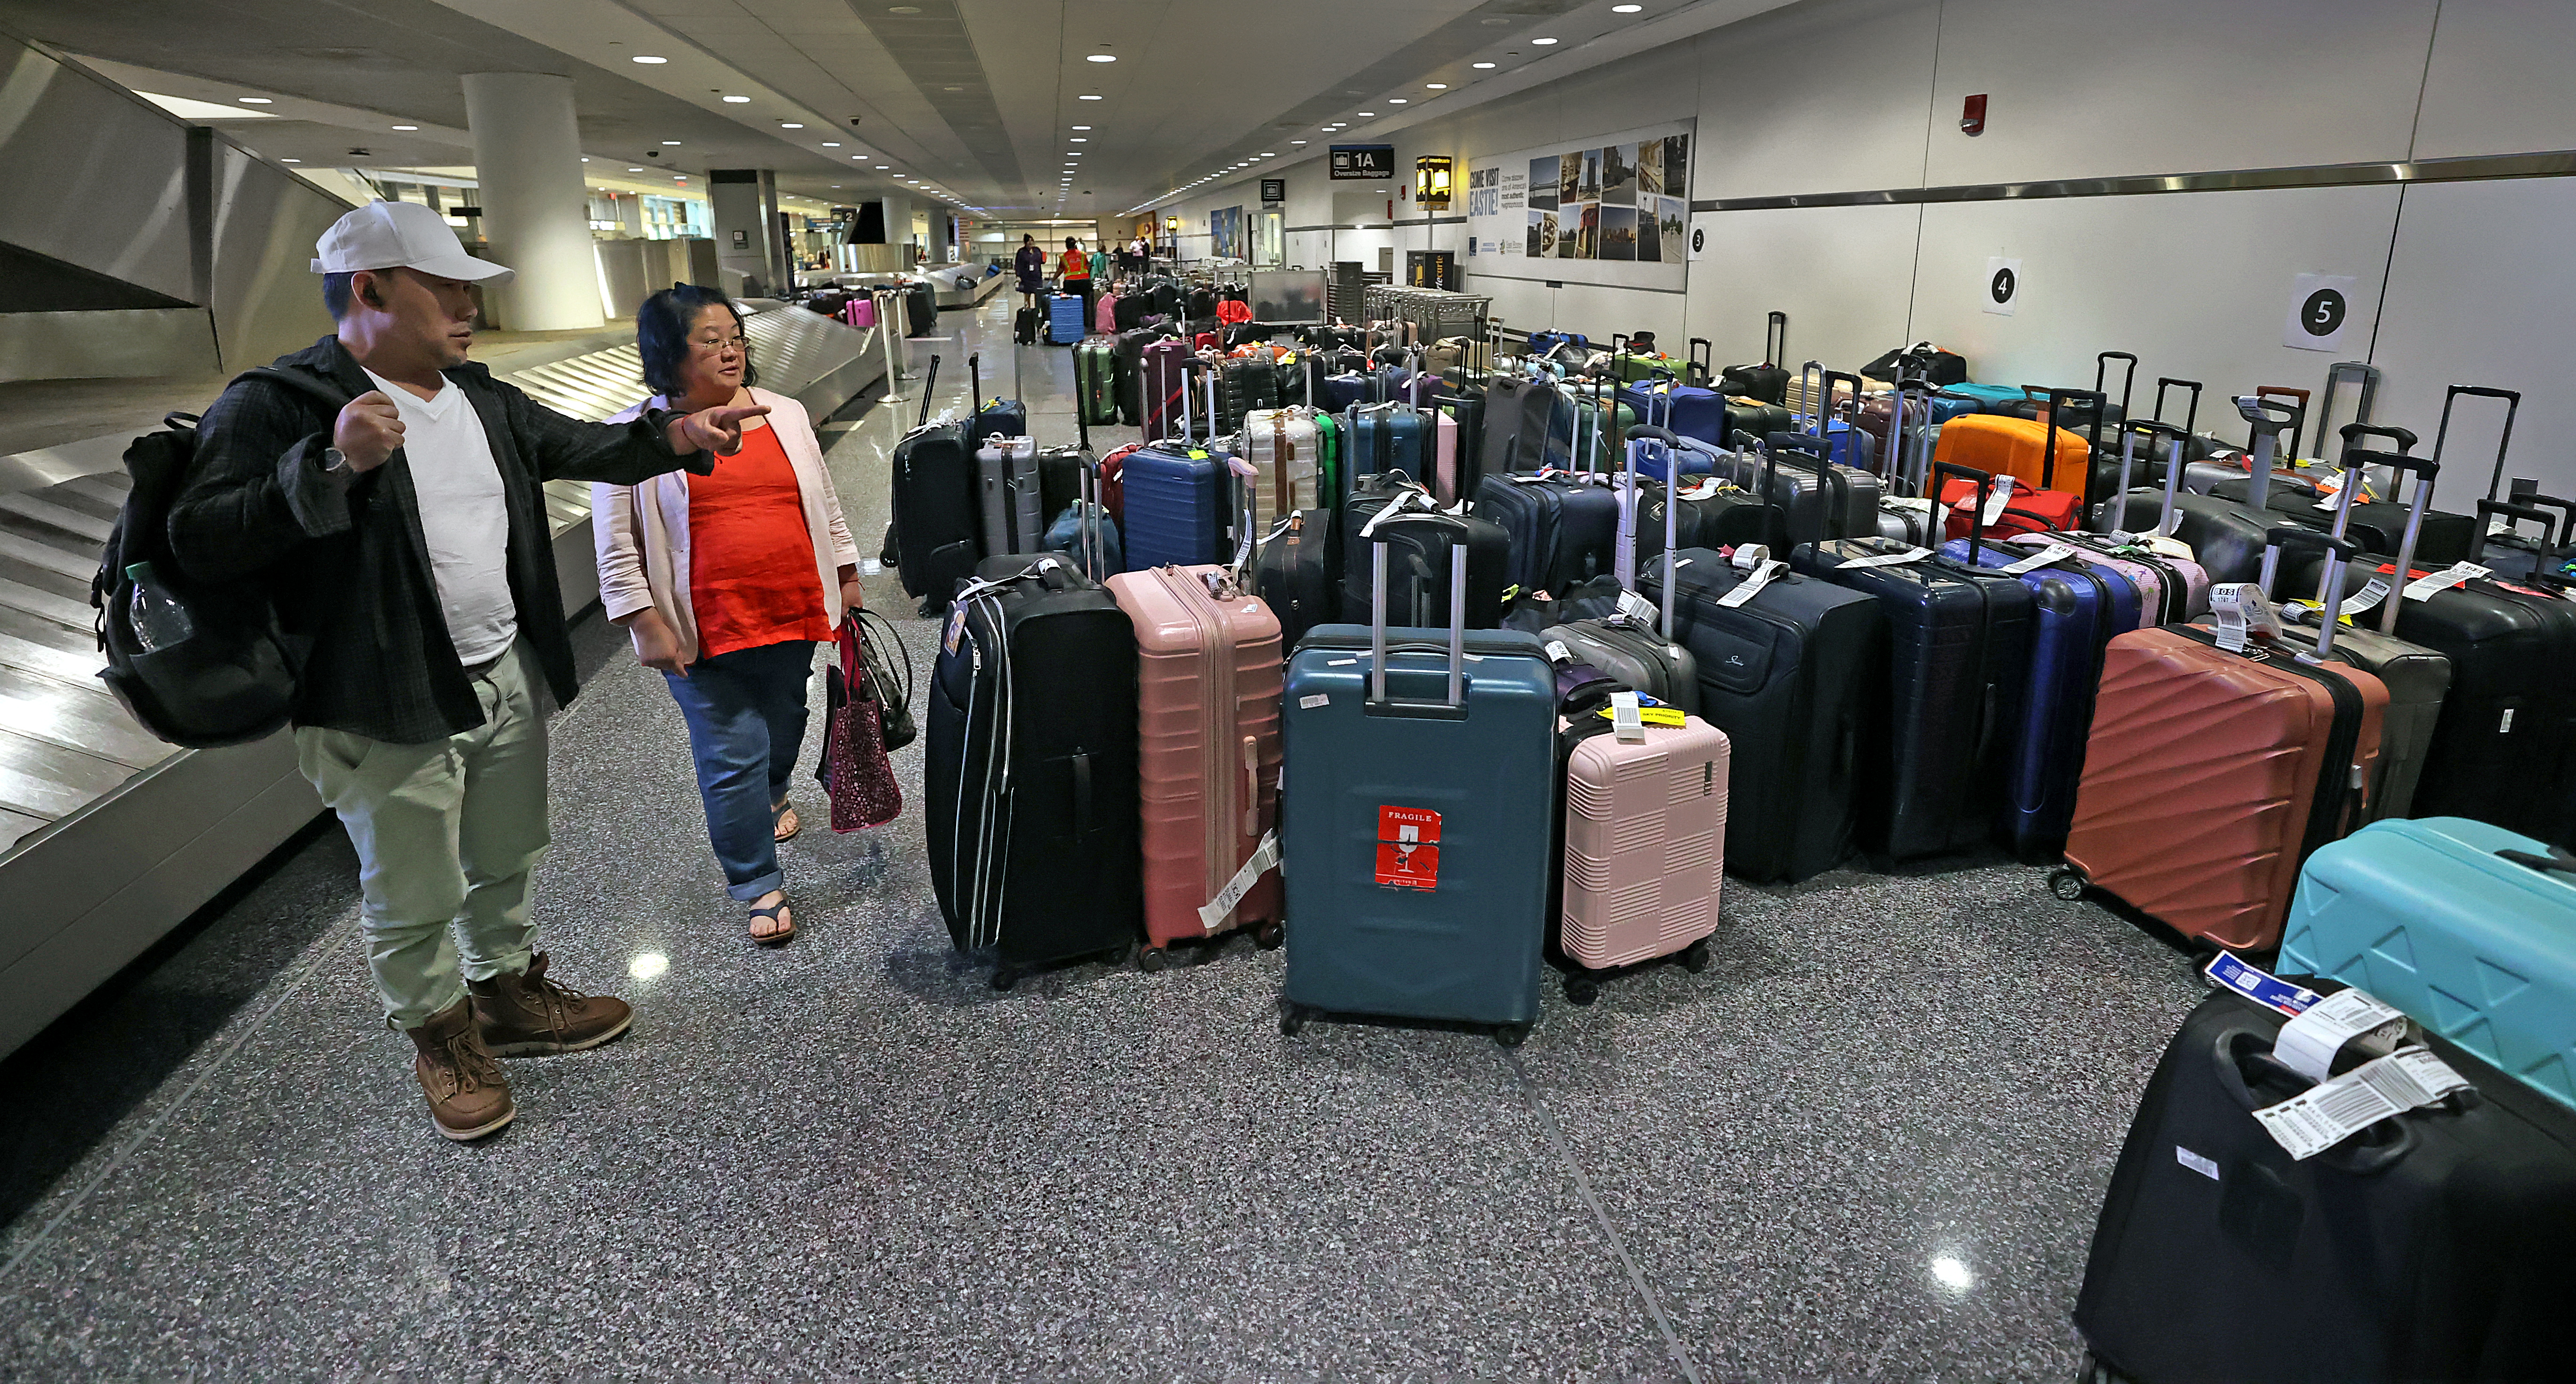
point(1972, 116)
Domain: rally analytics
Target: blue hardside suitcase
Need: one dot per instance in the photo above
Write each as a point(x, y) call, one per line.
point(1177, 506)
point(1988, 398)
point(1564, 529)
point(1689, 410)
point(2464, 927)
point(1380, 438)
point(1417, 812)
point(1064, 320)
point(2076, 610)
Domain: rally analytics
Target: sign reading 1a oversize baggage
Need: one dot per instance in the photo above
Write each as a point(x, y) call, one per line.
point(1363, 161)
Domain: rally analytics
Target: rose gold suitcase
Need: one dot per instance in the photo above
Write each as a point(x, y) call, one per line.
point(1645, 837)
point(1207, 682)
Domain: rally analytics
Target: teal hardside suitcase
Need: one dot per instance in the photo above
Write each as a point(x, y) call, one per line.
point(1416, 820)
point(2466, 928)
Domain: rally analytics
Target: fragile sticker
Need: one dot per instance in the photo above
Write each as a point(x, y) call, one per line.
point(1408, 848)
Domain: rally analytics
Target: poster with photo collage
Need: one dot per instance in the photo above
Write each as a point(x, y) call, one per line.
point(1612, 211)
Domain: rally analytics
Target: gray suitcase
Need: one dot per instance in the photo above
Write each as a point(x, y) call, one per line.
point(1631, 646)
point(1006, 475)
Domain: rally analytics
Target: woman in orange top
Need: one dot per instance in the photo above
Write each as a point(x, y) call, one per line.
point(1074, 268)
point(727, 582)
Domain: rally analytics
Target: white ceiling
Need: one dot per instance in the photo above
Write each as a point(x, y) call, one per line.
point(974, 98)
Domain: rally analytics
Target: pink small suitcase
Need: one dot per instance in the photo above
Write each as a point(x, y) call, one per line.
point(1444, 457)
point(1104, 315)
point(860, 312)
point(1207, 681)
point(1645, 837)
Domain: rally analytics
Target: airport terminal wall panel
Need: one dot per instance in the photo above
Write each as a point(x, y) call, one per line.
point(263, 222)
point(1845, 276)
point(102, 175)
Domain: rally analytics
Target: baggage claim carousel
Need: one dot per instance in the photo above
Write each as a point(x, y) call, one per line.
point(109, 838)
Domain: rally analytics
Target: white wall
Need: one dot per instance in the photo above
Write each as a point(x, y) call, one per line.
point(2463, 282)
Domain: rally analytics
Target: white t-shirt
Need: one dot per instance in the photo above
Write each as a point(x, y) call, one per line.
point(463, 515)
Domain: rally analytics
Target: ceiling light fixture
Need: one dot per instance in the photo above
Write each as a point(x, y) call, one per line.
point(635, 170)
point(737, 100)
point(405, 127)
point(1088, 97)
point(1480, 65)
point(1625, 9)
point(1082, 127)
point(290, 160)
point(789, 125)
point(1435, 86)
point(1102, 57)
point(1543, 42)
point(1368, 115)
point(649, 60)
point(831, 144)
point(1296, 141)
point(254, 100)
point(1395, 101)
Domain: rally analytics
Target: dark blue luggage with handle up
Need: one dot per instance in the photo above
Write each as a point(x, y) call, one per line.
point(1414, 843)
point(1064, 319)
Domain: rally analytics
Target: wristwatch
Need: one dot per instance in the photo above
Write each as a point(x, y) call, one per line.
point(334, 461)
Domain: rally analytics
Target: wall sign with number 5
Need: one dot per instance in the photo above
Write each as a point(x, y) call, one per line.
point(2320, 310)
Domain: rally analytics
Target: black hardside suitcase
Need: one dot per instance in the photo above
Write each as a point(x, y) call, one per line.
point(1026, 327)
point(921, 309)
point(1031, 769)
point(2376, 525)
point(1418, 557)
point(1786, 674)
point(2430, 1246)
point(1936, 747)
point(937, 509)
point(1298, 574)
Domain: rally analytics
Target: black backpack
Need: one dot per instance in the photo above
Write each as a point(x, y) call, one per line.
point(233, 678)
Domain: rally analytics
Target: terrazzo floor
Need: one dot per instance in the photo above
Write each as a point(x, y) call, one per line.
point(1866, 1144)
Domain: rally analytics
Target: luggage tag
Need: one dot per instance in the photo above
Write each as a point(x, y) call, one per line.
point(1702, 488)
point(1884, 560)
point(2458, 573)
point(1627, 719)
point(1638, 611)
point(2001, 497)
point(2242, 612)
point(1649, 713)
point(2234, 974)
point(2308, 1042)
point(2054, 552)
point(1752, 585)
point(1213, 913)
point(2330, 1112)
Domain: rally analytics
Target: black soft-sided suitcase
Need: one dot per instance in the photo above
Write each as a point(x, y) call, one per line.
point(937, 512)
point(921, 308)
point(1298, 574)
point(1031, 769)
point(1934, 748)
point(1418, 557)
point(1563, 530)
point(1786, 674)
point(1768, 380)
point(1518, 413)
point(1026, 326)
point(2430, 1246)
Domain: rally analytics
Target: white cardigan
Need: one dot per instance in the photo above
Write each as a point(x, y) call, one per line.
point(642, 531)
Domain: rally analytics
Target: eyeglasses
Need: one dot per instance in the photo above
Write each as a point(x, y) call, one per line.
point(710, 345)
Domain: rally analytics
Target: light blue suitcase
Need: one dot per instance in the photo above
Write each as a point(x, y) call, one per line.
point(1416, 820)
point(2435, 918)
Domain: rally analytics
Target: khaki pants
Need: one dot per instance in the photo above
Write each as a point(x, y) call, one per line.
point(448, 835)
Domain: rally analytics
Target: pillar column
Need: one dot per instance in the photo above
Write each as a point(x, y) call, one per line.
point(744, 203)
point(536, 215)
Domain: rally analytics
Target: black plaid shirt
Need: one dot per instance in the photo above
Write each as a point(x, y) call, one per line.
point(343, 557)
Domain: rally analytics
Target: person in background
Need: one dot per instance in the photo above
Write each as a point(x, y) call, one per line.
point(1074, 268)
point(402, 539)
point(727, 582)
point(1031, 265)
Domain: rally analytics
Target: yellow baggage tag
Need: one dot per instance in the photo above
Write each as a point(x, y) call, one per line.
point(1649, 715)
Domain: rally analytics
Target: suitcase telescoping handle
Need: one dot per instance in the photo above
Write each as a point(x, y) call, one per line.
point(1702, 367)
point(1380, 703)
point(2426, 469)
point(1825, 402)
point(2336, 374)
point(2191, 410)
point(2265, 418)
point(2512, 405)
point(2338, 551)
point(2174, 439)
point(2115, 514)
point(2298, 399)
point(2128, 382)
point(2058, 399)
point(1775, 338)
point(927, 385)
point(1985, 484)
point(1643, 443)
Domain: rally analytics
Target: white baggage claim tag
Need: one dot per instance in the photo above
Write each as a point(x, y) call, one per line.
point(2309, 1042)
point(2325, 1115)
point(1214, 912)
point(1884, 560)
point(2241, 611)
point(2054, 552)
point(2001, 497)
point(2424, 587)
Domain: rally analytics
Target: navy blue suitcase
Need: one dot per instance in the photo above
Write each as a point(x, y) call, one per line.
point(993, 417)
point(1177, 511)
point(1413, 843)
point(1382, 438)
point(1564, 529)
point(2076, 610)
point(1064, 319)
point(1787, 675)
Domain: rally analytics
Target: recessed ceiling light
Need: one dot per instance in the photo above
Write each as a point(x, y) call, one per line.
point(903, 9)
point(670, 141)
point(737, 100)
point(1542, 42)
point(635, 170)
point(1480, 64)
point(405, 127)
point(1625, 9)
point(649, 60)
point(290, 160)
point(1435, 86)
point(254, 100)
point(880, 167)
point(1102, 57)
point(1368, 115)
point(1082, 127)
point(1296, 141)
point(1270, 156)
point(1395, 101)
point(789, 125)
point(831, 144)
point(954, 88)
point(1087, 97)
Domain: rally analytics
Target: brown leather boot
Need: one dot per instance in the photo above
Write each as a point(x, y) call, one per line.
point(527, 1014)
point(468, 1097)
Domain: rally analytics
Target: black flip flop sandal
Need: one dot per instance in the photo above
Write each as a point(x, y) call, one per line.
point(772, 914)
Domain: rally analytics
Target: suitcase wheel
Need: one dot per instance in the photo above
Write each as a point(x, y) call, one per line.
point(2068, 883)
point(1117, 956)
point(1269, 935)
point(1004, 978)
point(1695, 957)
point(1154, 959)
point(1292, 1019)
point(1579, 989)
point(1511, 1035)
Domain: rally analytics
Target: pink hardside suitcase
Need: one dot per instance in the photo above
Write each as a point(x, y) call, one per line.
point(860, 312)
point(1104, 315)
point(1207, 681)
point(1444, 457)
point(1645, 837)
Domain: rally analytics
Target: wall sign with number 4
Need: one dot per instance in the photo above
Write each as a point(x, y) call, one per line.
point(2320, 310)
point(2002, 292)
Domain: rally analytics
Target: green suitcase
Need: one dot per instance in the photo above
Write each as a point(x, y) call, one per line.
point(1095, 374)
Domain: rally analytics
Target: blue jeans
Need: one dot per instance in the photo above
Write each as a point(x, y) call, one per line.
point(746, 715)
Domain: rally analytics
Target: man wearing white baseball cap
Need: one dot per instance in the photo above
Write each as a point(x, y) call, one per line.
point(382, 494)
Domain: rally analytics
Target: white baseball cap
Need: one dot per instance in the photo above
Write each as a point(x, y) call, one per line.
point(400, 235)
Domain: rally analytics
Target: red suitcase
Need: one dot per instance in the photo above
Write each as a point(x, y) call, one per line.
point(1207, 681)
point(2211, 775)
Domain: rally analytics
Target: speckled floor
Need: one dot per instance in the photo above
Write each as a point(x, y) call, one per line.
point(1867, 1143)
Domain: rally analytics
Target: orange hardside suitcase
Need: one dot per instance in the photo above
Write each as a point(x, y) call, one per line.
point(1207, 683)
point(2210, 776)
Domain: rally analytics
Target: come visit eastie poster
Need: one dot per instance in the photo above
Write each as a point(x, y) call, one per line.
point(1611, 210)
